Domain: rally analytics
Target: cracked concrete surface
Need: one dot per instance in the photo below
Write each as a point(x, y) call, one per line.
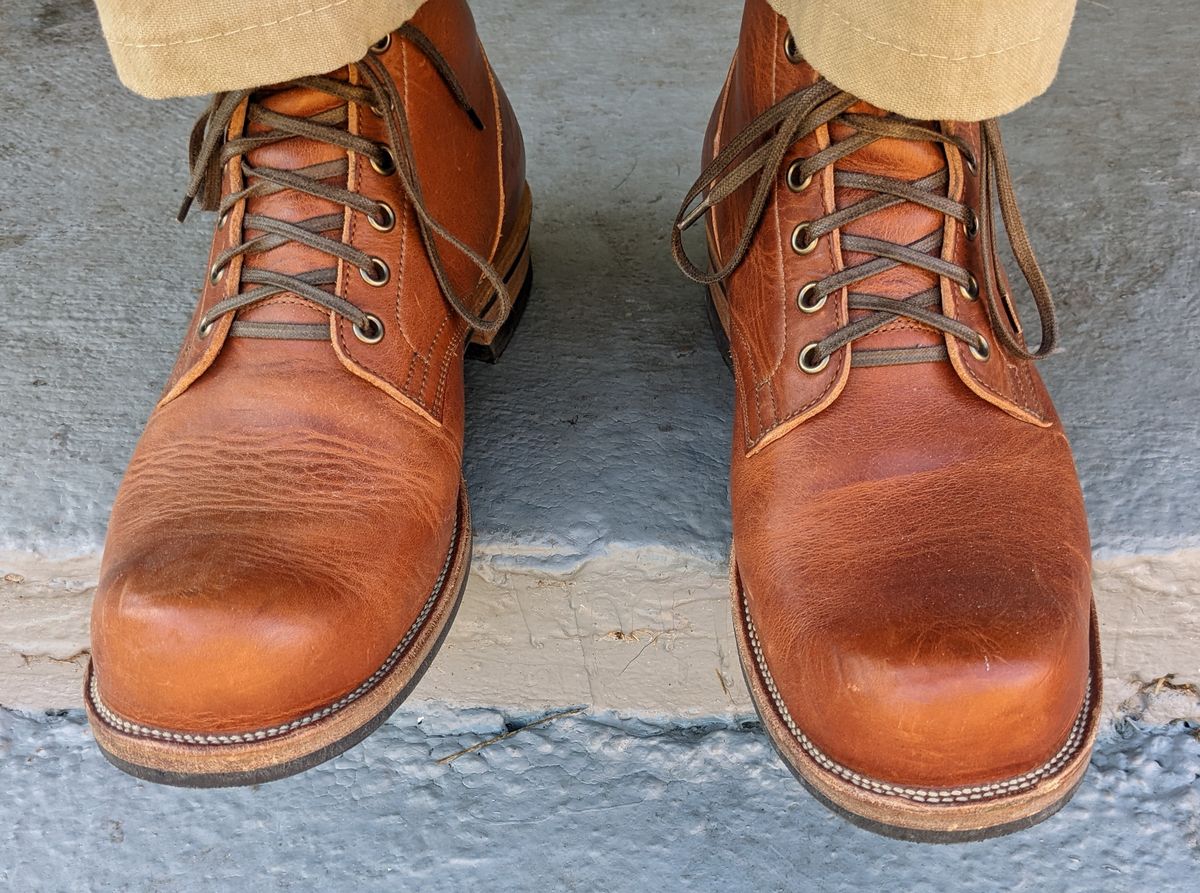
point(588, 804)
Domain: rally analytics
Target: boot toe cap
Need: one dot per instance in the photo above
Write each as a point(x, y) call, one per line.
point(972, 682)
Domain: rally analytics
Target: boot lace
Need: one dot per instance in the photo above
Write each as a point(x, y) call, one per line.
point(760, 150)
point(210, 150)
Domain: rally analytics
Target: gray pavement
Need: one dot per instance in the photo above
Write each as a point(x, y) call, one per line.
point(587, 804)
point(607, 423)
point(605, 428)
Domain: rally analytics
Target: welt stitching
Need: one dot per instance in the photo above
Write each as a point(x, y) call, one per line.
point(920, 55)
point(275, 731)
point(965, 794)
point(255, 27)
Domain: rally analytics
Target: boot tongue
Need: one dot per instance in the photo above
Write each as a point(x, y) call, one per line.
point(906, 223)
point(296, 153)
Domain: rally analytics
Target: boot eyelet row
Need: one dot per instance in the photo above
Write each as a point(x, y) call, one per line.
point(388, 166)
point(798, 243)
point(377, 274)
point(372, 332)
point(804, 299)
point(384, 219)
point(791, 50)
point(806, 360)
point(793, 174)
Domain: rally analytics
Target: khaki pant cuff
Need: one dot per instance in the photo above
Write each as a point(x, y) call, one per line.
point(161, 50)
point(963, 60)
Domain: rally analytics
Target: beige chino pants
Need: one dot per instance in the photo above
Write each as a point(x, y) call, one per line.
point(934, 59)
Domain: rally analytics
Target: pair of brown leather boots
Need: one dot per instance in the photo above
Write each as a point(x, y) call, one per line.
point(911, 574)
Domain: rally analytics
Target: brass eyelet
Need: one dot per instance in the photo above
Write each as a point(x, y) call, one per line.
point(386, 219)
point(971, 227)
point(971, 290)
point(389, 166)
point(983, 352)
point(791, 50)
point(793, 172)
point(381, 45)
point(204, 329)
point(803, 302)
point(377, 275)
point(971, 164)
point(805, 360)
point(216, 274)
point(373, 333)
point(797, 240)
point(222, 220)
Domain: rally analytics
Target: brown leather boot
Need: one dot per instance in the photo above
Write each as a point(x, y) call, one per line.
point(911, 578)
point(292, 537)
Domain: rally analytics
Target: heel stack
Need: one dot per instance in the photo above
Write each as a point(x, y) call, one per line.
point(514, 260)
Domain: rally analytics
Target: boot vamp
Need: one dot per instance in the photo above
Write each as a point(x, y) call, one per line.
point(917, 568)
point(279, 530)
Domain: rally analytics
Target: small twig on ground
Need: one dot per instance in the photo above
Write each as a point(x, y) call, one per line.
point(490, 741)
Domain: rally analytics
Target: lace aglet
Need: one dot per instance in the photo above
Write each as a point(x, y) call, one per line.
point(688, 220)
point(184, 207)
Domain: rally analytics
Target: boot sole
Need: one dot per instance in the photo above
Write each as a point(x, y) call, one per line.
point(164, 757)
point(895, 815)
point(160, 756)
point(960, 819)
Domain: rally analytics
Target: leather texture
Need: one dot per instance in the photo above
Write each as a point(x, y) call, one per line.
point(292, 504)
point(911, 539)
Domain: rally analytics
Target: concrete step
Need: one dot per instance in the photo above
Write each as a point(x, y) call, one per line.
point(597, 451)
point(595, 804)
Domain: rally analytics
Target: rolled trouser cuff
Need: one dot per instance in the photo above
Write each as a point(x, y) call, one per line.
point(188, 48)
point(963, 60)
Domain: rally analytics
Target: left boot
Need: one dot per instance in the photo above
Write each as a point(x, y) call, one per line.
point(291, 541)
point(911, 570)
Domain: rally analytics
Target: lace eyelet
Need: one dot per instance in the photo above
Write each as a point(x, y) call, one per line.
point(803, 302)
point(982, 353)
point(373, 333)
point(216, 274)
point(793, 172)
point(382, 45)
point(971, 290)
point(805, 360)
point(791, 50)
point(971, 227)
point(222, 220)
point(971, 164)
point(797, 240)
point(377, 275)
point(386, 219)
point(389, 165)
point(204, 329)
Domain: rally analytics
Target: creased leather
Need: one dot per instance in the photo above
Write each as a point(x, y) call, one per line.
point(914, 552)
point(284, 519)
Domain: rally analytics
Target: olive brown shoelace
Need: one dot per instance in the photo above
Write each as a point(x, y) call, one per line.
point(760, 150)
point(211, 150)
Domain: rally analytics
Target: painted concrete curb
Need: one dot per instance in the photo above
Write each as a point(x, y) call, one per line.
point(641, 631)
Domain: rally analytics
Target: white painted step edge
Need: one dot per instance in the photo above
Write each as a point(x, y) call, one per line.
point(641, 632)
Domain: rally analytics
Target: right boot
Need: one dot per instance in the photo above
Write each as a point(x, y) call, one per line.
point(291, 539)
